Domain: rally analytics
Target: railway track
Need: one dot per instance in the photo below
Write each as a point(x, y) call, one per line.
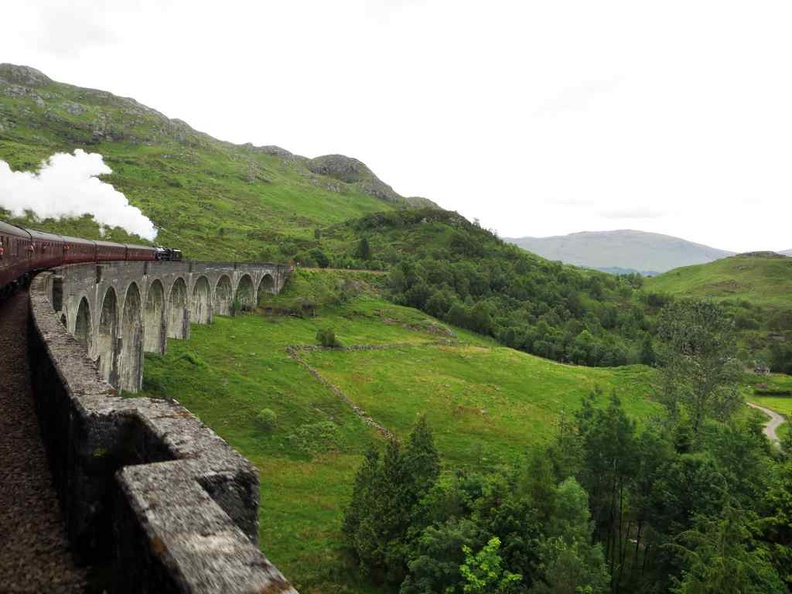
point(34, 553)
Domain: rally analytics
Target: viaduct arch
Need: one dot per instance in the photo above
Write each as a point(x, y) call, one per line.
point(119, 310)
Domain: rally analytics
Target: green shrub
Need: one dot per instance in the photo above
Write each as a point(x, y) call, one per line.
point(327, 338)
point(267, 420)
point(316, 438)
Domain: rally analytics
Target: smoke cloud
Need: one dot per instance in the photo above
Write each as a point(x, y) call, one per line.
point(67, 186)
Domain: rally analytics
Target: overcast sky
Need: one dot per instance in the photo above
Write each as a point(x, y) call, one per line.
point(537, 117)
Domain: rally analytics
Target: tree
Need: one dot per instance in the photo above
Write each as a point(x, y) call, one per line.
point(483, 571)
point(361, 496)
point(648, 356)
point(609, 464)
point(572, 564)
point(699, 365)
point(436, 556)
point(722, 558)
point(384, 504)
point(364, 249)
point(421, 461)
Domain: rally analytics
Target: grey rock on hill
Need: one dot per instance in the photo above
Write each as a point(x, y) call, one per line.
point(352, 171)
point(623, 251)
point(24, 76)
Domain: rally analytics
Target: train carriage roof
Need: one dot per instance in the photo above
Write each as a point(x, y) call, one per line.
point(13, 230)
point(77, 241)
point(109, 244)
point(42, 236)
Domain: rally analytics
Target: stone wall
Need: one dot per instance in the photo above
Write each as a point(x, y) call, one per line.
point(145, 487)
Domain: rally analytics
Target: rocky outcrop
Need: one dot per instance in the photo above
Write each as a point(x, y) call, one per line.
point(24, 76)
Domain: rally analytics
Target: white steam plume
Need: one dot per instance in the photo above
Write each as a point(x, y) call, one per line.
point(67, 186)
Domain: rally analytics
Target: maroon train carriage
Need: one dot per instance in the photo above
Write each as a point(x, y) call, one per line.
point(46, 250)
point(23, 251)
point(106, 250)
point(77, 250)
point(14, 254)
point(140, 252)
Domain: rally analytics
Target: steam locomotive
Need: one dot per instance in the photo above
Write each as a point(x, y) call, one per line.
point(24, 251)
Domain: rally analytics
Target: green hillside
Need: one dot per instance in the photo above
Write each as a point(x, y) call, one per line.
point(755, 288)
point(487, 403)
point(763, 279)
point(221, 201)
point(211, 198)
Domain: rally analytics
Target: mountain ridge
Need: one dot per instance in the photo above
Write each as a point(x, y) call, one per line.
point(621, 250)
point(267, 195)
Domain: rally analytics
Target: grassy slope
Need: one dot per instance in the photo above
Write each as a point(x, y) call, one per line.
point(227, 372)
point(754, 289)
point(485, 403)
point(213, 199)
point(764, 281)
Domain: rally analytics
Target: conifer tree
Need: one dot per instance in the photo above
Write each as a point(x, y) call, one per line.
point(421, 462)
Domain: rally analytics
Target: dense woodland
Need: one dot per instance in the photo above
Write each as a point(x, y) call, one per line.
point(458, 272)
point(694, 501)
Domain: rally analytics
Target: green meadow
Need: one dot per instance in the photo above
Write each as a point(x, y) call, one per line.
point(486, 404)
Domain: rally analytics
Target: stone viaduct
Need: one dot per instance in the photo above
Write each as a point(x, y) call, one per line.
point(151, 497)
point(119, 310)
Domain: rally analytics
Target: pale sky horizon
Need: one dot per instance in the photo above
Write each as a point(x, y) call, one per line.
point(536, 118)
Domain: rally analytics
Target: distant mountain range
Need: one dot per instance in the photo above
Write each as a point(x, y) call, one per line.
point(621, 251)
point(786, 252)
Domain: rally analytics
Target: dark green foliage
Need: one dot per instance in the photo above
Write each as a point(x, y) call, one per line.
point(436, 556)
point(605, 508)
point(326, 337)
point(776, 523)
point(781, 358)
point(363, 249)
point(457, 271)
point(722, 557)
point(648, 355)
point(609, 463)
point(698, 361)
point(318, 256)
point(571, 562)
point(386, 497)
point(421, 462)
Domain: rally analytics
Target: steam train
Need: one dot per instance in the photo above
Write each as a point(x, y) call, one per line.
point(24, 251)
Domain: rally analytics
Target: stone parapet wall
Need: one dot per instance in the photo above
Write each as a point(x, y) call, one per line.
point(145, 487)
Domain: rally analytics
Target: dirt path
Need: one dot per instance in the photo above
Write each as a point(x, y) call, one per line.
point(34, 555)
point(774, 423)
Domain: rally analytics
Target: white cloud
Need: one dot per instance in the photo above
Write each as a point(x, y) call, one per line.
point(67, 186)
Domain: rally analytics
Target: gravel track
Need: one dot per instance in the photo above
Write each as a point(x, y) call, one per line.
point(774, 423)
point(34, 553)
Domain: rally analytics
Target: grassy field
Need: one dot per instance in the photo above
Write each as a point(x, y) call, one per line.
point(764, 281)
point(486, 403)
